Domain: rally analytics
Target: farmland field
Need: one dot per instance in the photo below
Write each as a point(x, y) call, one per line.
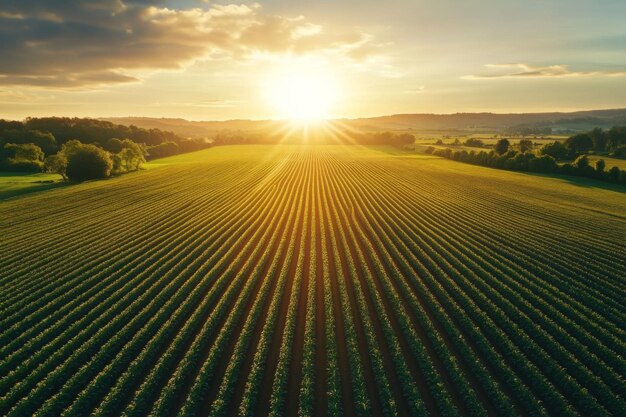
point(610, 162)
point(13, 184)
point(314, 280)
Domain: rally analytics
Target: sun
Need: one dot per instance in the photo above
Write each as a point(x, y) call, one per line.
point(302, 96)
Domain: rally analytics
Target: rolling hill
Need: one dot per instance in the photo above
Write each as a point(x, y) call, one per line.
point(489, 122)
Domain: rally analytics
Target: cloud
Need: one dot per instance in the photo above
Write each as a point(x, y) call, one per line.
point(79, 43)
point(20, 97)
point(521, 71)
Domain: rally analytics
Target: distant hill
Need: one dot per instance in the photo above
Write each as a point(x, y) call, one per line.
point(195, 129)
point(562, 121)
point(566, 122)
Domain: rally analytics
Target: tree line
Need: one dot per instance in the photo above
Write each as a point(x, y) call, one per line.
point(567, 158)
point(529, 131)
point(93, 131)
point(350, 137)
point(611, 141)
point(50, 145)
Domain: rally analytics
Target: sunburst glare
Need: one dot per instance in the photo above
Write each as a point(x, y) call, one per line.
point(302, 94)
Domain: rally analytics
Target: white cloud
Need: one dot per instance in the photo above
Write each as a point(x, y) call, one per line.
point(520, 70)
point(91, 43)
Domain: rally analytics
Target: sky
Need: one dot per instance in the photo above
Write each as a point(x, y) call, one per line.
point(209, 60)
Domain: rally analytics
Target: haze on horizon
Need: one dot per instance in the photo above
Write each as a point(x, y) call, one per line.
point(206, 60)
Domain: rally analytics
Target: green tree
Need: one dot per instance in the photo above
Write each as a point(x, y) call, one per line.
point(473, 142)
point(579, 143)
point(163, 149)
point(56, 164)
point(614, 174)
point(616, 137)
point(599, 138)
point(44, 140)
point(525, 145)
point(70, 147)
point(132, 155)
point(619, 152)
point(582, 162)
point(556, 150)
point(87, 162)
point(114, 145)
point(501, 146)
point(600, 166)
point(24, 152)
point(544, 163)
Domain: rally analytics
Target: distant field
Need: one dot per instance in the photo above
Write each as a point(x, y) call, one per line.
point(610, 162)
point(314, 280)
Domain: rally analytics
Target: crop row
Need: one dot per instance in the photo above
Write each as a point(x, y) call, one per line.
point(311, 280)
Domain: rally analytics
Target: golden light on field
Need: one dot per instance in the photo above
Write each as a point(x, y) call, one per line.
point(302, 95)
